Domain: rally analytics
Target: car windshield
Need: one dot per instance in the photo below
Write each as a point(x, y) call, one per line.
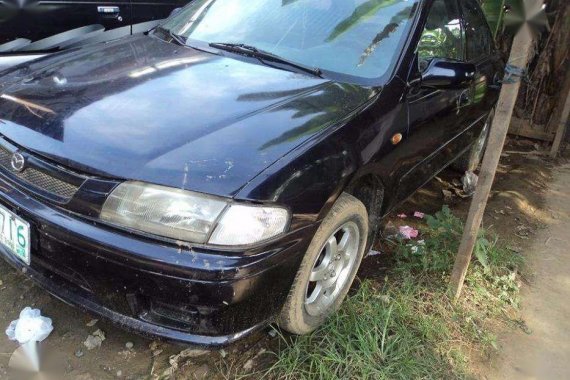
point(354, 37)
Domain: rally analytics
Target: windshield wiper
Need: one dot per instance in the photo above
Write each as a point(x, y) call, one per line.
point(177, 37)
point(264, 56)
point(180, 40)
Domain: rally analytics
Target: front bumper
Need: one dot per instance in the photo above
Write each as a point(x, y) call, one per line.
point(189, 295)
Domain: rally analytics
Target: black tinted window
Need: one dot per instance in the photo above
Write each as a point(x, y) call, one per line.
point(442, 36)
point(479, 39)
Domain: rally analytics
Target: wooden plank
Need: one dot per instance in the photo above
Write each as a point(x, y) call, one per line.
point(561, 130)
point(534, 134)
point(520, 54)
point(522, 127)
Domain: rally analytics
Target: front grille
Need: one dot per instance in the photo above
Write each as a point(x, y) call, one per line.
point(37, 179)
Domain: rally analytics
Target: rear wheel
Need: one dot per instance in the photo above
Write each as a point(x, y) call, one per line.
point(328, 268)
point(470, 160)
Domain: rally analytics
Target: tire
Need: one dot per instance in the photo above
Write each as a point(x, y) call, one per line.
point(470, 160)
point(348, 217)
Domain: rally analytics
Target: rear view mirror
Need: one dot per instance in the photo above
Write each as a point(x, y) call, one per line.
point(448, 74)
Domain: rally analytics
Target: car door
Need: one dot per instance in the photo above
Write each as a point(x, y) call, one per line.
point(39, 26)
point(436, 116)
point(146, 13)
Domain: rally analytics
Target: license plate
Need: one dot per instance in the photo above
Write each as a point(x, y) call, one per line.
point(15, 234)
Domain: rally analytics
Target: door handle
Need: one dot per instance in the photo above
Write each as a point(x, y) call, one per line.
point(108, 10)
point(464, 98)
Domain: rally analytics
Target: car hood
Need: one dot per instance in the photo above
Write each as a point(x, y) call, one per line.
point(144, 109)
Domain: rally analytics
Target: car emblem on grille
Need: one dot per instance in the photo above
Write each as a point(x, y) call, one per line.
point(18, 162)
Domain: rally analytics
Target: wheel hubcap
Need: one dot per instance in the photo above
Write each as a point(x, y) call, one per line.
point(332, 269)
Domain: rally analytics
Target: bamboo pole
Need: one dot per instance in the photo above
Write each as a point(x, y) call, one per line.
point(562, 123)
point(520, 55)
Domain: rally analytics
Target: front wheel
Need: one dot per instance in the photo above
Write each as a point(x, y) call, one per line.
point(328, 268)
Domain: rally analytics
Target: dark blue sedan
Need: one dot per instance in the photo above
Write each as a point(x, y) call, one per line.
point(231, 167)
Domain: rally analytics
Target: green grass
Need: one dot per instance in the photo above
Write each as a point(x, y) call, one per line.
point(406, 327)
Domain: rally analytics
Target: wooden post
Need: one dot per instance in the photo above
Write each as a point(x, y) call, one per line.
point(520, 55)
point(561, 130)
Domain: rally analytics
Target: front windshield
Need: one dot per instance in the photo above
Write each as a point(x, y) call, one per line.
point(354, 37)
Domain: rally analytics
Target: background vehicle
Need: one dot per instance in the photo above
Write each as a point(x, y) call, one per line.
point(231, 168)
point(29, 29)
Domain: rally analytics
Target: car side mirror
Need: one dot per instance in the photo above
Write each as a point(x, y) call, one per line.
point(448, 74)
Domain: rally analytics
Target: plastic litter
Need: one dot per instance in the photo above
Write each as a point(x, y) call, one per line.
point(419, 214)
point(373, 252)
point(31, 326)
point(469, 181)
point(408, 232)
point(402, 216)
point(28, 330)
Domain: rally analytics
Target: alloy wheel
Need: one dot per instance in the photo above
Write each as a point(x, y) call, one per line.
point(332, 269)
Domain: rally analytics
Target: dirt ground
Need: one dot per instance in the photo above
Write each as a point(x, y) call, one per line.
point(542, 349)
point(517, 212)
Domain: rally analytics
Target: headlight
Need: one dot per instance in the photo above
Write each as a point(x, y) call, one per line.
point(188, 216)
point(164, 211)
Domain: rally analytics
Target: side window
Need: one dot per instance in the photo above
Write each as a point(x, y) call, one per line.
point(442, 36)
point(477, 31)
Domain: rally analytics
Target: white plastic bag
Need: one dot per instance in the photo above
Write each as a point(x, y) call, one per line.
point(30, 327)
point(28, 330)
point(469, 181)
